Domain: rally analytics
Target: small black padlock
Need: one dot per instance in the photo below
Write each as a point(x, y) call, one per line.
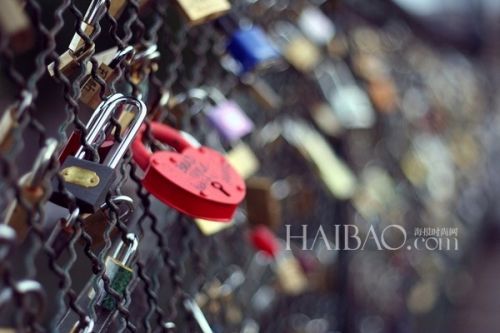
point(90, 181)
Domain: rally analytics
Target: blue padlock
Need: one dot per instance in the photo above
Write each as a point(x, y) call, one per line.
point(252, 48)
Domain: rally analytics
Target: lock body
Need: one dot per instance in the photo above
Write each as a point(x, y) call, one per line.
point(119, 276)
point(252, 48)
point(87, 181)
point(201, 11)
point(230, 120)
point(197, 181)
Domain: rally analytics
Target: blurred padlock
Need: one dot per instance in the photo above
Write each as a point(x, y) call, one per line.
point(262, 206)
point(201, 11)
point(298, 51)
point(316, 25)
point(350, 103)
point(264, 94)
point(33, 190)
point(16, 26)
point(248, 44)
point(226, 116)
point(291, 278)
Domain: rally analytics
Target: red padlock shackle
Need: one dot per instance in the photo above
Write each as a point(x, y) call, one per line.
point(162, 133)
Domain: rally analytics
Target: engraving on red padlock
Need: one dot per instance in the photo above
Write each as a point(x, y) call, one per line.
point(198, 182)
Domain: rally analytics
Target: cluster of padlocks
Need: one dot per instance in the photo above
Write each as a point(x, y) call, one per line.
point(231, 166)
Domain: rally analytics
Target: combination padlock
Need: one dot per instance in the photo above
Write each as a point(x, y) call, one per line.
point(198, 182)
point(108, 71)
point(249, 45)
point(119, 271)
point(89, 181)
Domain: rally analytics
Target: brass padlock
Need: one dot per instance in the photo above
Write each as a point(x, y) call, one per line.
point(144, 62)
point(94, 13)
point(262, 206)
point(107, 71)
point(78, 49)
point(70, 61)
point(201, 11)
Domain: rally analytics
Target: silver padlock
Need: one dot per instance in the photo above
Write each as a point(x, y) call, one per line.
point(89, 181)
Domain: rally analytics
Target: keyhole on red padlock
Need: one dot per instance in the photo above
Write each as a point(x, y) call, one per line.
point(219, 186)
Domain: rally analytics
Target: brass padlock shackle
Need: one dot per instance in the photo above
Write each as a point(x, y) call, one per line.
point(101, 120)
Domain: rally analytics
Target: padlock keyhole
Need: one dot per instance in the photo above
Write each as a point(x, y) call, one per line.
point(219, 186)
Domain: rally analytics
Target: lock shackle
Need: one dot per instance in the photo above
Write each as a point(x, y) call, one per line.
point(148, 54)
point(101, 120)
point(127, 54)
point(120, 200)
point(95, 11)
point(124, 252)
point(164, 134)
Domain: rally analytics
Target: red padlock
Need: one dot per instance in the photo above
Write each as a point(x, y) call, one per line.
point(197, 181)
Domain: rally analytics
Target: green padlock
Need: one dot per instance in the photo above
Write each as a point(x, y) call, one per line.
point(118, 269)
